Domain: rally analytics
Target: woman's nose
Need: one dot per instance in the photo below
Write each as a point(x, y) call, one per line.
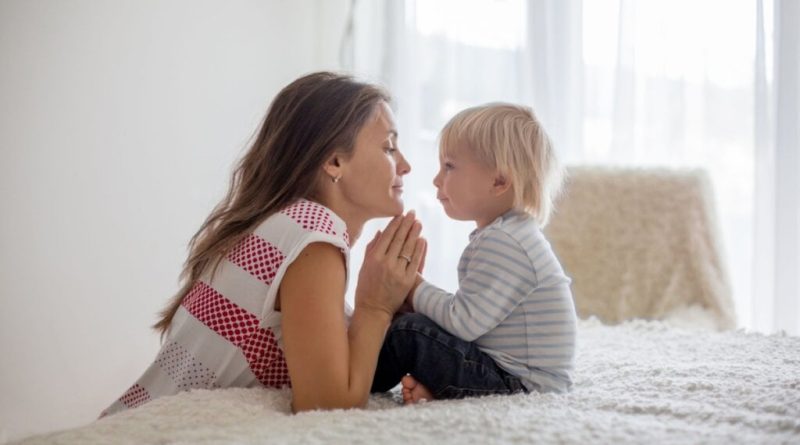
point(403, 167)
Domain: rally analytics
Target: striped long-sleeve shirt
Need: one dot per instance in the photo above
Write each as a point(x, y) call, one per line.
point(513, 302)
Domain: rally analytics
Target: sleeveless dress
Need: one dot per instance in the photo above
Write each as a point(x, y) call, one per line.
point(226, 332)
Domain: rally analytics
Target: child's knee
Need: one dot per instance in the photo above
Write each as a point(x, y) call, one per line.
point(411, 322)
point(410, 334)
point(408, 339)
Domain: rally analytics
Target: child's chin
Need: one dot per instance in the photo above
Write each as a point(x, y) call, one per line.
point(457, 217)
point(450, 213)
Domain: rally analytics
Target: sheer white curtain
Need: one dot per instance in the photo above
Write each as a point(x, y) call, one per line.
point(709, 83)
point(776, 295)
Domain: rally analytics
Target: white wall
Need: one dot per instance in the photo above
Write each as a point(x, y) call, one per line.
point(119, 124)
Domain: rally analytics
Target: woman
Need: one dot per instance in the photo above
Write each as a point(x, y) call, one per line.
point(263, 297)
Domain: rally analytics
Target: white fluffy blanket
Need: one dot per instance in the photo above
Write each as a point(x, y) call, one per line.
point(639, 382)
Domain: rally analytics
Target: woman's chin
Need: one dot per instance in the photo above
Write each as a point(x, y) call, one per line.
point(398, 207)
point(393, 208)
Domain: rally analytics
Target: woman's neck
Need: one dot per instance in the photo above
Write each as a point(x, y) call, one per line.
point(352, 220)
point(354, 225)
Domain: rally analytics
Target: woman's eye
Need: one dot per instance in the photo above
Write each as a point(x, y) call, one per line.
point(390, 150)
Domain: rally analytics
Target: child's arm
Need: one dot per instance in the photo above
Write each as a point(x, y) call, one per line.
point(497, 278)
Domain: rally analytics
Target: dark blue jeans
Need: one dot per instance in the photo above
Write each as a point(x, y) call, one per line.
point(449, 367)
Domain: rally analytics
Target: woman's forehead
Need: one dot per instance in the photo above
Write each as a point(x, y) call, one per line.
point(382, 123)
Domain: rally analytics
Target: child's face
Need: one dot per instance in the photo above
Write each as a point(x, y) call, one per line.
point(467, 188)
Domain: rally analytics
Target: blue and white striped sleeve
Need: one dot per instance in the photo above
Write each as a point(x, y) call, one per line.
point(496, 279)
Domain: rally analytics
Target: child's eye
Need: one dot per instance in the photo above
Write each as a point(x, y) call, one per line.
point(448, 166)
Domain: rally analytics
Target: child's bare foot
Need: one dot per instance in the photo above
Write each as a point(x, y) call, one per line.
point(414, 391)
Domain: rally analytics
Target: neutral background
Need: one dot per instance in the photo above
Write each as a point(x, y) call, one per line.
point(119, 124)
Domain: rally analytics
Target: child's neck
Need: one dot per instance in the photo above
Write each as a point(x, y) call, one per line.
point(491, 215)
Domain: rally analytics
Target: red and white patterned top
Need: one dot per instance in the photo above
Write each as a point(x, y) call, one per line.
point(226, 332)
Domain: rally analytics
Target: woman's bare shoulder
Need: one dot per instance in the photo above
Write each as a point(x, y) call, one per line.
point(318, 265)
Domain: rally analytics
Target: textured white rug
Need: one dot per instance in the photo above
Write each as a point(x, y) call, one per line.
point(640, 382)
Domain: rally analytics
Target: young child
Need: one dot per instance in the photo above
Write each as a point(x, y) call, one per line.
point(510, 327)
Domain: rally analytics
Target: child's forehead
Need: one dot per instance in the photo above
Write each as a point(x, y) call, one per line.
point(453, 148)
point(463, 152)
point(460, 151)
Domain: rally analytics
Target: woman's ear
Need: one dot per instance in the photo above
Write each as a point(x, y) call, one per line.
point(333, 167)
point(501, 184)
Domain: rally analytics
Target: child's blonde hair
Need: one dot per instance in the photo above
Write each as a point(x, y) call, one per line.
point(509, 138)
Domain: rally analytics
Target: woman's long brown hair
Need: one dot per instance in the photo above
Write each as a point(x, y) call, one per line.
point(308, 121)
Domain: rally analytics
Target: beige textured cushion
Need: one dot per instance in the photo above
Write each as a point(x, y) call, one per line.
point(641, 243)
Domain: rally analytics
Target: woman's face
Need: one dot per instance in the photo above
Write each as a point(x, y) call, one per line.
point(372, 179)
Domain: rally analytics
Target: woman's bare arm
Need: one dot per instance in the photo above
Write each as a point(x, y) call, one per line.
point(329, 365)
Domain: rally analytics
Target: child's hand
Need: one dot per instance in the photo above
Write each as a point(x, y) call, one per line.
point(410, 297)
point(404, 308)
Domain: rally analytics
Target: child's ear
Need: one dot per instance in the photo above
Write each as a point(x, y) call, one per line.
point(501, 184)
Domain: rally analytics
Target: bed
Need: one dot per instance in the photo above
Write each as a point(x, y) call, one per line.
point(657, 360)
point(637, 382)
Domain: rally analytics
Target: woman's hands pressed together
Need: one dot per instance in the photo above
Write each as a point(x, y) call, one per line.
point(391, 262)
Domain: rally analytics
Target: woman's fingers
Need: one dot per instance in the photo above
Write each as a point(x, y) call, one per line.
point(407, 250)
point(388, 234)
point(372, 242)
point(418, 257)
point(400, 235)
point(424, 254)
